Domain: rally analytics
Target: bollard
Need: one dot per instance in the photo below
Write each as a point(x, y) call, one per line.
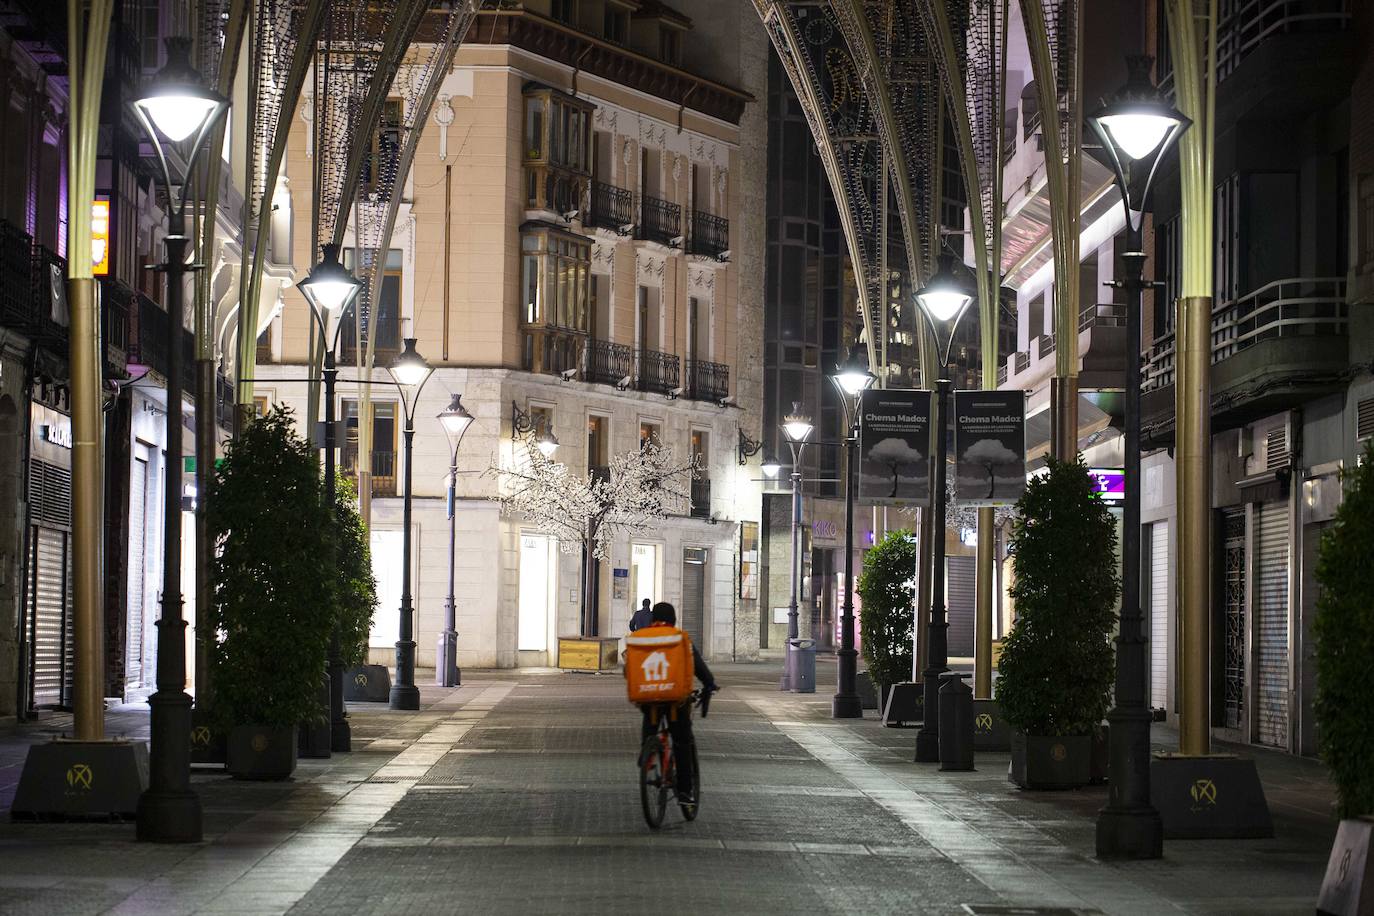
point(956, 722)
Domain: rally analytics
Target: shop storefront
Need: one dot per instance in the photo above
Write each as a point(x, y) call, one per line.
point(48, 630)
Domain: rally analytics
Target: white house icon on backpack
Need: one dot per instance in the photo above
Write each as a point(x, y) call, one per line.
point(655, 667)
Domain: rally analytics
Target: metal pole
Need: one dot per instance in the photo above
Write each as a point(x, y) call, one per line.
point(88, 501)
point(937, 630)
point(169, 811)
point(1130, 827)
point(447, 673)
point(404, 693)
point(1193, 467)
point(792, 631)
point(847, 704)
point(982, 622)
point(340, 735)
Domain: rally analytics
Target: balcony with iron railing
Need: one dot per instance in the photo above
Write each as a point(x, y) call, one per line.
point(1288, 332)
point(710, 235)
point(608, 363)
point(658, 372)
point(701, 497)
point(613, 208)
point(1022, 361)
point(707, 381)
point(116, 303)
point(17, 303)
point(659, 220)
point(1044, 346)
point(383, 470)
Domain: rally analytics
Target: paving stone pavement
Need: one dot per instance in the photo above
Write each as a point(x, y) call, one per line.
point(517, 793)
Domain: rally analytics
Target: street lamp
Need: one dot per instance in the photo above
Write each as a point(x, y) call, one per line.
point(524, 423)
point(797, 427)
point(410, 372)
point(331, 290)
point(851, 380)
point(944, 300)
point(455, 419)
point(173, 107)
point(1137, 128)
point(769, 465)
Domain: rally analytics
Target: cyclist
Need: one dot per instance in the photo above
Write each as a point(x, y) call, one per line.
point(680, 719)
point(642, 617)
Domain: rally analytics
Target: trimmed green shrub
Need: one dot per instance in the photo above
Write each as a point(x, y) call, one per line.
point(273, 576)
point(357, 587)
point(1344, 631)
point(887, 596)
point(1058, 664)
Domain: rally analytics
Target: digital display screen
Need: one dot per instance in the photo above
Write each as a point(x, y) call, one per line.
point(1110, 483)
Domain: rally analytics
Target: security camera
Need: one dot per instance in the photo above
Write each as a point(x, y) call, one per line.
point(624, 383)
point(675, 393)
point(723, 256)
point(568, 375)
point(677, 240)
point(627, 228)
point(571, 215)
point(729, 401)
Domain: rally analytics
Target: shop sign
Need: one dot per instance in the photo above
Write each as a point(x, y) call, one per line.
point(59, 435)
point(100, 236)
point(989, 447)
point(894, 447)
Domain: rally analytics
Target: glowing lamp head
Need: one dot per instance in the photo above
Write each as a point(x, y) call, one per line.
point(410, 368)
point(175, 102)
point(547, 443)
point(946, 296)
point(853, 376)
point(1139, 120)
point(1137, 133)
point(330, 286)
point(797, 425)
point(455, 419)
point(770, 466)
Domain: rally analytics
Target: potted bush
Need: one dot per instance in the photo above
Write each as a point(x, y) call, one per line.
point(1344, 634)
point(275, 593)
point(1057, 665)
point(357, 600)
point(887, 594)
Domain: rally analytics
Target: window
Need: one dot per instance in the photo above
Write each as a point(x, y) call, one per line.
point(701, 449)
point(383, 444)
point(1366, 221)
point(557, 150)
point(669, 45)
point(650, 432)
point(1168, 270)
point(565, 11)
point(384, 318)
point(261, 405)
point(615, 24)
point(146, 21)
point(381, 160)
point(554, 312)
point(598, 451)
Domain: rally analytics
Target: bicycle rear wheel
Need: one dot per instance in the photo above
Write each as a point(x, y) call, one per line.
point(653, 782)
point(690, 807)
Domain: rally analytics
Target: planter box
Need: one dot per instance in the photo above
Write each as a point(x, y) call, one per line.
point(367, 684)
point(1214, 797)
point(868, 691)
point(588, 653)
point(990, 731)
point(1348, 888)
point(1101, 759)
point(209, 744)
point(903, 704)
point(262, 752)
point(313, 741)
point(1043, 762)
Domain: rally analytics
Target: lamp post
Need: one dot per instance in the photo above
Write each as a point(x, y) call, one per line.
point(851, 380)
point(1136, 128)
point(455, 419)
point(173, 108)
point(410, 372)
point(944, 300)
point(797, 427)
point(331, 290)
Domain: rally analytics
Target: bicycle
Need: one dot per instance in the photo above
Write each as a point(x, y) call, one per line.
point(658, 766)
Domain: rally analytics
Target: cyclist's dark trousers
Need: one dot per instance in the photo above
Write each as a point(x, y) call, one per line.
point(680, 727)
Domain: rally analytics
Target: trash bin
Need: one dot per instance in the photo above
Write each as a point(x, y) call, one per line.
point(802, 653)
point(956, 722)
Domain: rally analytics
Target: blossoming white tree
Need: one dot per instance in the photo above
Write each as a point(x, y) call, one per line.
point(587, 512)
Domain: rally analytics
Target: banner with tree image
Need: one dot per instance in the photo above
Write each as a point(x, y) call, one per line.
point(989, 447)
point(894, 446)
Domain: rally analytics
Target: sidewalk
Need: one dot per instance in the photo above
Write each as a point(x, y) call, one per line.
point(516, 793)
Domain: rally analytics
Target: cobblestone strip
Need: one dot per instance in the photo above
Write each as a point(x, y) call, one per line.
point(668, 842)
point(273, 859)
point(936, 817)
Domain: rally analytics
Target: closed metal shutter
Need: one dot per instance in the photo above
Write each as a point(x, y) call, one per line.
point(694, 595)
point(49, 612)
point(138, 495)
point(961, 584)
point(1271, 619)
point(1159, 615)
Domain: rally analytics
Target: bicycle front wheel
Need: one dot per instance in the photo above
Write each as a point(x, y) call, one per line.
point(653, 782)
point(692, 805)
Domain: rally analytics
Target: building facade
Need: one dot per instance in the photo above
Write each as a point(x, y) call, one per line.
point(577, 246)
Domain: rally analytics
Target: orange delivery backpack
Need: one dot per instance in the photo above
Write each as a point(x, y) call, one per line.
point(658, 664)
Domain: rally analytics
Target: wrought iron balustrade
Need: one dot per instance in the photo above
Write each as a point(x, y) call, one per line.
point(383, 473)
point(608, 363)
point(1102, 315)
point(116, 302)
point(701, 497)
point(612, 208)
point(1022, 361)
point(1045, 345)
point(658, 372)
point(1002, 374)
point(659, 220)
point(17, 305)
point(710, 234)
point(707, 381)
